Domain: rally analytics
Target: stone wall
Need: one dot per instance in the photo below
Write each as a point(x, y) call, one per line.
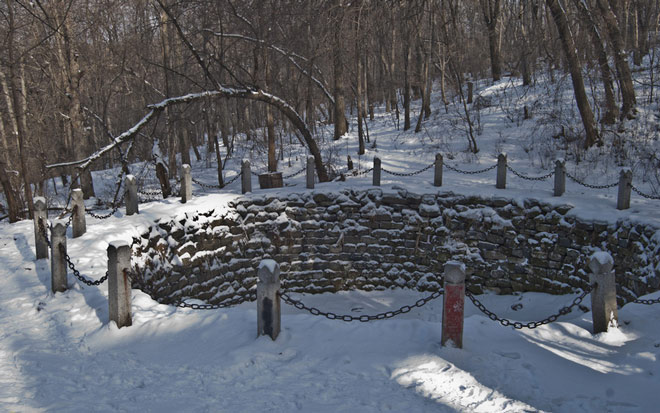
point(373, 239)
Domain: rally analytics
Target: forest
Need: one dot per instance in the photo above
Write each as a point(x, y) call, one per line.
point(95, 84)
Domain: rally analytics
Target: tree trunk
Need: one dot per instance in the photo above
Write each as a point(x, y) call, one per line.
point(341, 125)
point(611, 110)
point(491, 12)
point(568, 45)
point(620, 59)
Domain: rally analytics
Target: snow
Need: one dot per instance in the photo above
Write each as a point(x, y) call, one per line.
point(58, 352)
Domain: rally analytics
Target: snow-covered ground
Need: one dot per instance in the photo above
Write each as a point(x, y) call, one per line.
point(59, 353)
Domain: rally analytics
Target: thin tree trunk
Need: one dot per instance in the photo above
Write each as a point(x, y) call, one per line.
point(581, 98)
point(341, 125)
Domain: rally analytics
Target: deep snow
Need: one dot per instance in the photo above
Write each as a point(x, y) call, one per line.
point(59, 353)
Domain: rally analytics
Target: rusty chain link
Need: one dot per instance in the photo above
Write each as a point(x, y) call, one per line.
point(532, 324)
point(42, 230)
point(480, 171)
point(530, 178)
point(363, 318)
point(409, 173)
point(577, 181)
point(647, 301)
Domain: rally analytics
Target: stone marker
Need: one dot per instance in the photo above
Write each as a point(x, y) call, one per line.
point(310, 172)
point(376, 172)
point(268, 299)
point(501, 171)
point(603, 297)
point(453, 304)
point(437, 177)
point(78, 221)
point(560, 177)
point(625, 182)
point(119, 286)
point(131, 196)
point(40, 215)
point(58, 279)
point(246, 177)
point(186, 183)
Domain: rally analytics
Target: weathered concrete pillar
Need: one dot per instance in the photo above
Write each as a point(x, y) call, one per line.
point(78, 211)
point(40, 215)
point(437, 177)
point(501, 171)
point(58, 280)
point(246, 177)
point(376, 171)
point(268, 299)
point(131, 197)
point(560, 177)
point(625, 182)
point(119, 286)
point(186, 183)
point(453, 304)
point(603, 296)
point(310, 172)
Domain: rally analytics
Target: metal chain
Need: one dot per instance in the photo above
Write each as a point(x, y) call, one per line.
point(366, 171)
point(363, 318)
point(530, 178)
point(76, 273)
point(640, 193)
point(115, 207)
point(451, 168)
point(73, 211)
point(210, 186)
point(532, 324)
point(42, 230)
point(295, 173)
point(647, 302)
point(574, 179)
point(410, 173)
point(150, 193)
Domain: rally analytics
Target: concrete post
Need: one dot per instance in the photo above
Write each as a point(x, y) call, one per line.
point(40, 214)
point(603, 297)
point(437, 177)
point(131, 196)
point(78, 220)
point(470, 91)
point(625, 182)
point(246, 177)
point(501, 171)
point(268, 299)
point(453, 304)
point(186, 183)
point(376, 172)
point(310, 172)
point(119, 286)
point(560, 177)
point(58, 280)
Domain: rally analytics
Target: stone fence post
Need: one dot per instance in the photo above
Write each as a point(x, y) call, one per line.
point(310, 172)
point(437, 177)
point(246, 177)
point(186, 183)
point(603, 296)
point(453, 304)
point(560, 177)
point(501, 171)
point(40, 215)
point(78, 220)
point(131, 196)
point(268, 299)
point(119, 285)
point(376, 171)
point(625, 182)
point(58, 281)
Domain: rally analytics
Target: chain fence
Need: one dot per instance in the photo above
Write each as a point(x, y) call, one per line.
point(642, 194)
point(77, 274)
point(647, 302)
point(460, 171)
point(409, 173)
point(579, 182)
point(532, 324)
point(362, 318)
point(115, 208)
point(295, 173)
point(530, 178)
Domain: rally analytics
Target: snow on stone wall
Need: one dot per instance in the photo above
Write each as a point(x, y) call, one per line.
point(374, 239)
